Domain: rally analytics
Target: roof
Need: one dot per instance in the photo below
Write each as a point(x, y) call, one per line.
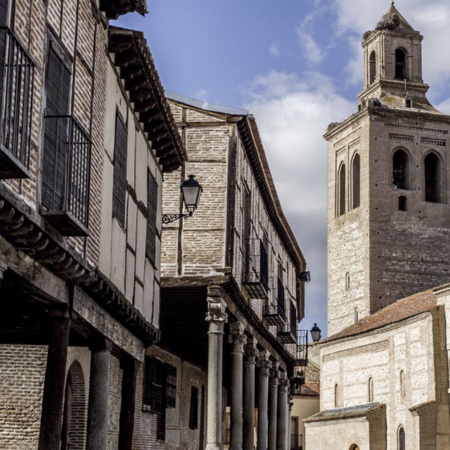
point(400, 310)
point(346, 413)
point(205, 106)
point(141, 80)
point(393, 20)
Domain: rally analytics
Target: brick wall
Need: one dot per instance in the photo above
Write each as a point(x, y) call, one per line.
point(22, 370)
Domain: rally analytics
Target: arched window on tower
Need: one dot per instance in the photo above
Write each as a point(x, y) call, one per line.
point(401, 439)
point(341, 190)
point(400, 169)
point(370, 390)
point(400, 64)
point(432, 178)
point(356, 177)
point(402, 203)
point(372, 67)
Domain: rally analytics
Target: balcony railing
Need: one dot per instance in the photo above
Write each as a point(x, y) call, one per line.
point(255, 278)
point(16, 105)
point(302, 348)
point(66, 175)
point(287, 334)
point(274, 315)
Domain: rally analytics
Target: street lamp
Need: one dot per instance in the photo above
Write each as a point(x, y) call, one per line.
point(191, 191)
point(315, 333)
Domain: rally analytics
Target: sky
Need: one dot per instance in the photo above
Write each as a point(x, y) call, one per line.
point(296, 65)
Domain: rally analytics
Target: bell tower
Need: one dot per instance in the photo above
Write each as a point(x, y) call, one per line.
point(388, 183)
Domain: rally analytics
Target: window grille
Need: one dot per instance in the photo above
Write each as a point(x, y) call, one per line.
point(171, 386)
point(120, 170)
point(66, 156)
point(16, 100)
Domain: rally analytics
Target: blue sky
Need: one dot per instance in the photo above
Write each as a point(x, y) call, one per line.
point(296, 65)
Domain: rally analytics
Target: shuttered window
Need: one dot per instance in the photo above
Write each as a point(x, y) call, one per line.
point(55, 149)
point(160, 385)
point(171, 386)
point(152, 208)
point(120, 170)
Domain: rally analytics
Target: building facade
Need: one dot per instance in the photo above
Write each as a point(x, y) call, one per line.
point(236, 262)
point(384, 368)
point(388, 212)
point(86, 135)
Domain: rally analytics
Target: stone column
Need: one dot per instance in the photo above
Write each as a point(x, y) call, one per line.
point(54, 383)
point(98, 411)
point(130, 369)
point(288, 424)
point(249, 395)
point(264, 366)
point(282, 415)
point(238, 339)
point(216, 316)
point(273, 407)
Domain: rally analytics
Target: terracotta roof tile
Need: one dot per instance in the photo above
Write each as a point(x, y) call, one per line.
point(400, 310)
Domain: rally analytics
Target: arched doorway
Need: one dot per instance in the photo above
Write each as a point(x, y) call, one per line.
point(73, 433)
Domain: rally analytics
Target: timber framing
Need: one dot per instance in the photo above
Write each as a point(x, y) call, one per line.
point(28, 232)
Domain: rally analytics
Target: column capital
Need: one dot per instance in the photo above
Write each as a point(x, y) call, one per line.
point(237, 336)
point(250, 351)
point(216, 310)
point(283, 382)
point(264, 362)
point(274, 373)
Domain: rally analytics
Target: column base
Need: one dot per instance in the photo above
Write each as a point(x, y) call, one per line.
point(214, 446)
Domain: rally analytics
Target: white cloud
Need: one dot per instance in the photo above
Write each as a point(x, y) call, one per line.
point(292, 115)
point(274, 50)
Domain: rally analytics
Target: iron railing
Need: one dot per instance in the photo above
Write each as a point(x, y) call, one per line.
point(16, 106)
point(255, 277)
point(274, 314)
point(66, 171)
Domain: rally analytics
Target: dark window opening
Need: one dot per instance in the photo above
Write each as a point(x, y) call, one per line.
point(264, 264)
point(152, 208)
point(402, 203)
point(67, 415)
point(159, 392)
point(341, 190)
point(400, 65)
point(401, 439)
point(400, 170)
point(408, 103)
point(120, 170)
point(372, 67)
point(356, 181)
point(193, 409)
point(432, 178)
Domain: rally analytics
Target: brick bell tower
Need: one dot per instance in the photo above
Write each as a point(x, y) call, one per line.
point(388, 183)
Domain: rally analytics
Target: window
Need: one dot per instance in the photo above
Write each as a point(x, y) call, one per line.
point(400, 64)
point(264, 263)
point(400, 162)
point(370, 390)
point(347, 281)
point(66, 155)
point(159, 391)
point(193, 410)
point(402, 203)
point(280, 289)
point(402, 384)
point(432, 178)
point(401, 439)
point(372, 67)
point(336, 395)
point(152, 208)
point(16, 100)
point(341, 190)
point(246, 226)
point(356, 181)
point(120, 170)
point(356, 314)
